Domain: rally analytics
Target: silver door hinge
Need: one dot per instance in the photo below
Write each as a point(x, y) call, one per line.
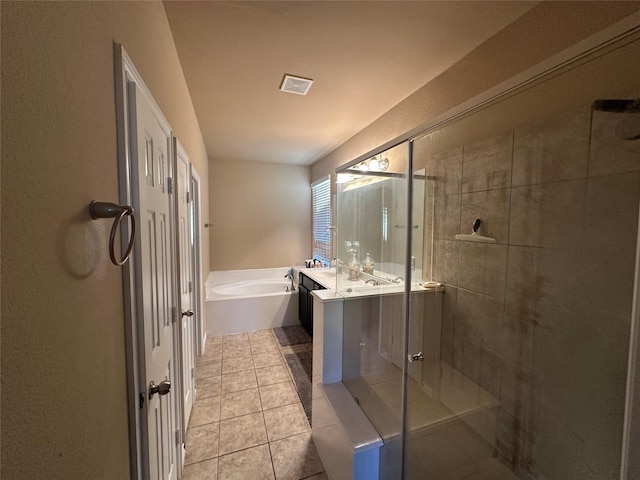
point(170, 185)
point(188, 197)
point(174, 314)
point(178, 436)
point(193, 373)
point(190, 286)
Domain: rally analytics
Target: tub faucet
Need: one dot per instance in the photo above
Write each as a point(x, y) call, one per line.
point(289, 275)
point(373, 282)
point(397, 279)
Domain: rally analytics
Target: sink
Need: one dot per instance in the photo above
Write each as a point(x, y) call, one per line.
point(324, 274)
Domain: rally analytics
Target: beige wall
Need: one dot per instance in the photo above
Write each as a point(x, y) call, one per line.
point(64, 411)
point(261, 214)
point(540, 33)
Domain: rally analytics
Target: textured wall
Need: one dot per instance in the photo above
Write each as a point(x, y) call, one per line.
point(540, 33)
point(64, 412)
point(261, 215)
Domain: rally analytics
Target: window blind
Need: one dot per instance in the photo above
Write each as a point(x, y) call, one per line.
point(321, 206)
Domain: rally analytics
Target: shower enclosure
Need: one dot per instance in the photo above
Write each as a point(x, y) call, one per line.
point(505, 359)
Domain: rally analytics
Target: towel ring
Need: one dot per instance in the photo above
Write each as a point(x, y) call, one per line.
point(111, 210)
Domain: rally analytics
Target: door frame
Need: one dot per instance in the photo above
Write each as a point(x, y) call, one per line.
point(196, 271)
point(124, 72)
point(179, 350)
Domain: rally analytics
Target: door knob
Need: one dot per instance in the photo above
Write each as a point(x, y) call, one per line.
point(188, 313)
point(163, 388)
point(418, 357)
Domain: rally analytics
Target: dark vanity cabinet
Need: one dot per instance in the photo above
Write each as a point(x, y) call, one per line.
point(305, 301)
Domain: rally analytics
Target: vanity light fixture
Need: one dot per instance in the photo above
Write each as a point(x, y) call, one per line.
point(374, 164)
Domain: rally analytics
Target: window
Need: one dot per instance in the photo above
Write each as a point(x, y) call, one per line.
point(321, 206)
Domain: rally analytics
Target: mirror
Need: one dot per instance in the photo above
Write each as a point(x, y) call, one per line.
point(372, 215)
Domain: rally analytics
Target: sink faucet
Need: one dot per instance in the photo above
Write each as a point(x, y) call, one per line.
point(397, 279)
point(289, 275)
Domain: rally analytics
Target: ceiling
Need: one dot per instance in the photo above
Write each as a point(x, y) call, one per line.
point(364, 58)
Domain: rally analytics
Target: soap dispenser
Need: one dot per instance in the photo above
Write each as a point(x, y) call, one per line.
point(367, 264)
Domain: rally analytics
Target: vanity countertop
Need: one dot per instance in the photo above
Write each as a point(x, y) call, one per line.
point(327, 278)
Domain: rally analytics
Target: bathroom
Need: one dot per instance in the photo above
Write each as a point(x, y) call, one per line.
point(538, 321)
point(527, 323)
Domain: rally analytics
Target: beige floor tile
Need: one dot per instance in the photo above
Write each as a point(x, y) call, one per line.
point(250, 464)
point(208, 387)
point(214, 340)
point(212, 352)
point(264, 347)
point(201, 443)
point(235, 337)
point(295, 457)
point(207, 470)
point(263, 340)
point(205, 410)
point(237, 364)
point(236, 349)
point(235, 382)
point(267, 360)
point(271, 375)
point(278, 394)
point(285, 421)
point(261, 335)
point(242, 432)
point(209, 369)
point(236, 404)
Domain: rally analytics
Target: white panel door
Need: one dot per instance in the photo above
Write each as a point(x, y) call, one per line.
point(150, 138)
point(185, 244)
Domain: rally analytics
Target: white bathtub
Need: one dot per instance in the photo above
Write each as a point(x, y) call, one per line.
point(249, 300)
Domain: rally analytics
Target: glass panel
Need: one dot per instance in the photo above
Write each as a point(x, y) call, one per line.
point(529, 354)
point(371, 249)
point(373, 229)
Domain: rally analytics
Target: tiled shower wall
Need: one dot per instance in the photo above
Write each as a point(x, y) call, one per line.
point(541, 318)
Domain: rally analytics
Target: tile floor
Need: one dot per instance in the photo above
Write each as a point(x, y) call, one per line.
point(248, 422)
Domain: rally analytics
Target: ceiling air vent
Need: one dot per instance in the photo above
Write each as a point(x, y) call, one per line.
point(297, 85)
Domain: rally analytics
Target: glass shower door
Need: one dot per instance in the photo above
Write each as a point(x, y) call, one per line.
point(534, 329)
point(372, 277)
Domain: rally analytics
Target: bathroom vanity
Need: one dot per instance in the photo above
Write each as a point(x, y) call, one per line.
point(310, 279)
